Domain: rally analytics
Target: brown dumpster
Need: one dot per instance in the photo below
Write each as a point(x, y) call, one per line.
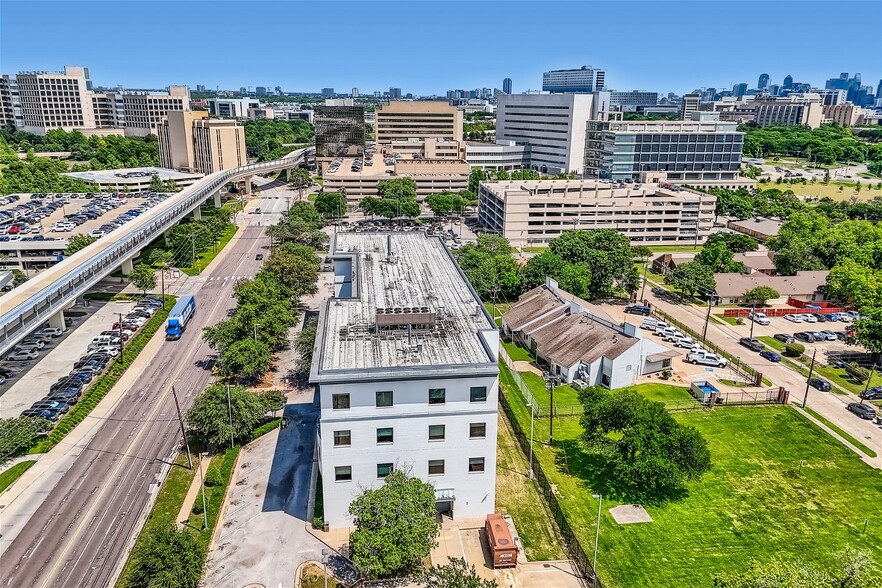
point(503, 551)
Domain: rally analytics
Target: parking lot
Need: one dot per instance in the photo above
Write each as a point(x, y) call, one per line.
point(51, 372)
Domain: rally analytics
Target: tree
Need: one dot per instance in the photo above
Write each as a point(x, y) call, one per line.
point(209, 418)
point(691, 278)
point(826, 176)
point(443, 203)
point(18, 277)
point(457, 573)
point(245, 358)
point(156, 184)
point(143, 277)
point(476, 176)
point(295, 272)
point(760, 294)
point(854, 283)
point(489, 267)
point(306, 344)
point(719, 258)
point(607, 256)
point(395, 525)
point(545, 265)
point(648, 452)
point(735, 242)
point(299, 179)
point(77, 242)
point(331, 204)
point(167, 558)
point(868, 329)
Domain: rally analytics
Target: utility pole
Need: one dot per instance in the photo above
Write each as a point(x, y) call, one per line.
point(752, 322)
point(808, 382)
point(643, 289)
point(183, 430)
point(121, 352)
point(230, 409)
point(710, 301)
point(867, 387)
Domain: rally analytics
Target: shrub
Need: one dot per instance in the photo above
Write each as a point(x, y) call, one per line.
point(739, 321)
point(794, 349)
point(197, 506)
point(214, 477)
point(666, 375)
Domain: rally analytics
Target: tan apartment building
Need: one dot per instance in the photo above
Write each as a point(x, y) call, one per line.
point(144, 112)
point(532, 212)
point(402, 120)
point(416, 148)
point(190, 141)
point(56, 100)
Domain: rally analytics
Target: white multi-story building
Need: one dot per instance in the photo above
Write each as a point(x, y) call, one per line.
point(585, 79)
point(406, 367)
point(56, 100)
point(551, 125)
point(144, 111)
point(506, 155)
point(232, 107)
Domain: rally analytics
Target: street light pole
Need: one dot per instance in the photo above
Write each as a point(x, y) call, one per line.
point(597, 534)
point(230, 409)
point(325, 553)
point(532, 413)
point(752, 315)
point(808, 381)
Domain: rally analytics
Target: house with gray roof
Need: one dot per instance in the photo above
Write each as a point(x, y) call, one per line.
point(579, 344)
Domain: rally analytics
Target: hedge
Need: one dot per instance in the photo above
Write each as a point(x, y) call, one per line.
point(102, 385)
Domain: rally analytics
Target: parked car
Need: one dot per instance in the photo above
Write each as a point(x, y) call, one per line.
point(804, 336)
point(110, 350)
point(862, 410)
point(784, 338)
point(51, 331)
point(819, 317)
point(809, 318)
point(821, 384)
point(760, 318)
point(826, 335)
point(638, 309)
point(31, 344)
point(873, 393)
point(23, 355)
point(707, 359)
point(793, 318)
point(56, 405)
point(42, 413)
point(687, 342)
point(752, 344)
point(65, 383)
point(68, 395)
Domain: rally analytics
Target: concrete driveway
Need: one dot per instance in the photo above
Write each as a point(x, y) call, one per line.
point(263, 537)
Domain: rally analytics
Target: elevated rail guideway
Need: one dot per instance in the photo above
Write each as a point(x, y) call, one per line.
point(44, 297)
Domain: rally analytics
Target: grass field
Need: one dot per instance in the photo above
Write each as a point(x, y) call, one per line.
point(841, 433)
point(753, 503)
point(517, 496)
point(732, 320)
point(664, 393)
point(836, 375)
point(831, 190)
point(516, 352)
point(14, 473)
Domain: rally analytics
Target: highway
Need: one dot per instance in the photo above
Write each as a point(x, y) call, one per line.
point(80, 533)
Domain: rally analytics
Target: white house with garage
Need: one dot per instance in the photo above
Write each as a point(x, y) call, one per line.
point(580, 345)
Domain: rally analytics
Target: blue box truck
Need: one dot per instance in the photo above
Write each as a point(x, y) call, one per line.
point(179, 316)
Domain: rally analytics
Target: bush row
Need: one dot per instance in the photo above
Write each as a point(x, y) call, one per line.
point(101, 386)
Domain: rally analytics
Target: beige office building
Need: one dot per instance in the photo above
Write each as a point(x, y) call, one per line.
point(190, 141)
point(532, 212)
point(144, 112)
point(793, 110)
point(430, 175)
point(403, 120)
point(56, 100)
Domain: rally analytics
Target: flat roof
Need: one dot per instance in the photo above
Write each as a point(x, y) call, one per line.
point(422, 276)
point(136, 175)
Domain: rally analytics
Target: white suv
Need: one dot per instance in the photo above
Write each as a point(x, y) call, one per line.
point(760, 318)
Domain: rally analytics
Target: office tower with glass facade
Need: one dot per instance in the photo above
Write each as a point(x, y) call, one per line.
point(580, 81)
point(339, 131)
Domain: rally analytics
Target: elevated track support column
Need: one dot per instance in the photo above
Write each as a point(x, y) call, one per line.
point(57, 320)
point(217, 200)
point(127, 266)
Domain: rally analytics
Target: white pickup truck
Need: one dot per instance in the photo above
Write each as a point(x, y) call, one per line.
point(705, 358)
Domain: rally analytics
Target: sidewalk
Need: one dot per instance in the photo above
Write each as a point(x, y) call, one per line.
point(193, 493)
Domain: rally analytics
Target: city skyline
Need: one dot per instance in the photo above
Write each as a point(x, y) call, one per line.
point(432, 73)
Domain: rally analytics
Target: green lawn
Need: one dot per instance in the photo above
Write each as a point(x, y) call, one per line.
point(836, 375)
point(564, 395)
point(203, 259)
point(664, 393)
point(14, 473)
point(831, 190)
point(516, 352)
point(517, 496)
point(732, 320)
point(841, 433)
point(753, 503)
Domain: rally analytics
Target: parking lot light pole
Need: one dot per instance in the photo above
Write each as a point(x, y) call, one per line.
point(325, 558)
point(597, 534)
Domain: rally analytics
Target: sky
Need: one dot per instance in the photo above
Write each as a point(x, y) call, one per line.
point(430, 47)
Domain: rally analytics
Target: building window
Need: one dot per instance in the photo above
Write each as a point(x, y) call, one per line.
point(384, 398)
point(437, 395)
point(342, 438)
point(477, 430)
point(384, 469)
point(343, 473)
point(340, 401)
point(478, 394)
point(436, 467)
point(436, 432)
point(476, 464)
point(384, 435)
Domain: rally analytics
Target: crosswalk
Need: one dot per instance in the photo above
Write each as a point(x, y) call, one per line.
point(216, 278)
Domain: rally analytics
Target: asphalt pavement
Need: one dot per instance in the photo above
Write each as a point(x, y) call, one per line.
point(89, 513)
